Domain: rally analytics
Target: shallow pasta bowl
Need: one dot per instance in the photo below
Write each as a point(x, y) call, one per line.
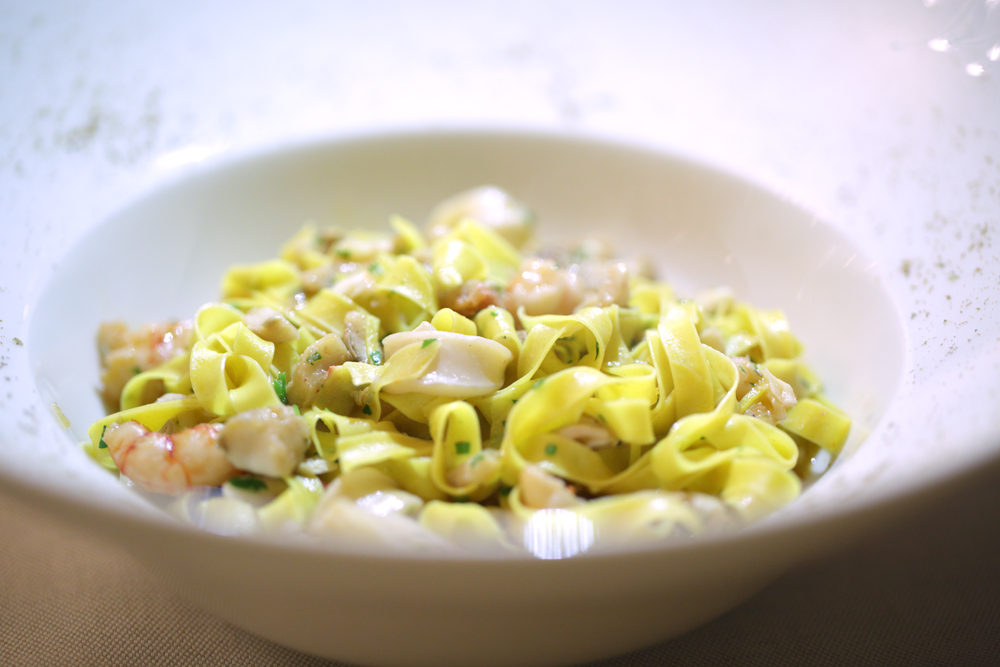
point(702, 227)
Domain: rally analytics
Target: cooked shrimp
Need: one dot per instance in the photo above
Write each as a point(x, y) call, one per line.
point(542, 288)
point(471, 297)
point(267, 441)
point(169, 464)
point(124, 353)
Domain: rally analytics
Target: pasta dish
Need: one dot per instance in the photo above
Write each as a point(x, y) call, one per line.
point(459, 386)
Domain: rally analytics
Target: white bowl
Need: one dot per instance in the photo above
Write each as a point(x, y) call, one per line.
point(164, 255)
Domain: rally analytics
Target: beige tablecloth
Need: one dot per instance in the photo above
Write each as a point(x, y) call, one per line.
point(923, 592)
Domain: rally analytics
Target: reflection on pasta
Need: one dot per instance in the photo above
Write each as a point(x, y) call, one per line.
point(457, 388)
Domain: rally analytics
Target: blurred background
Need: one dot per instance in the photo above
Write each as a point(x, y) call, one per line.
point(872, 112)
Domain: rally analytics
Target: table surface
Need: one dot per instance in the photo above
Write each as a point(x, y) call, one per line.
point(925, 591)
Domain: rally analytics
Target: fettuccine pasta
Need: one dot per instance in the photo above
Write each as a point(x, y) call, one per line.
point(459, 388)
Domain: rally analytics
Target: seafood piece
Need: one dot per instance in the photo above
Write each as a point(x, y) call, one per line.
point(489, 206)
point(588, 432)
point(540, 490)
point(269, 441)
point(313, 366)
point(125, 353)
point(471, 297)
point(747, 375)
point(541, 288)
point(760, 393)
point(482, 468)
point(464, 365)
point(168, 463)
point(270, 325)
point(354, 336)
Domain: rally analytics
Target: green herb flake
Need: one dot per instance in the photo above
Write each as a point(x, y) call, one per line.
point(550, 449)
point(281, 387)
point(248, 483)
point(296, 408)
point(376, 269)
point(366, 410)
point(461, 499)
point(597, 348)
point(102, 444)
point(462, 447)
point(136, 370)
point(505, 490)
point(375, 356)
point(314, 357)
point(494, 313)
point(538, 383)
point(428, 341)
point(343, 254)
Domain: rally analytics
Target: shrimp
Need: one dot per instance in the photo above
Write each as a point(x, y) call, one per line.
point(169, 464)
point(471, 297)
point(542, 288)
point(124, 353)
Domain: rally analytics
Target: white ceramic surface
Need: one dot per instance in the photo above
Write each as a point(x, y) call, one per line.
point(117, 119)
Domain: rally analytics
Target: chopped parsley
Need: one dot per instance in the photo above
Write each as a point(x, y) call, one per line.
point(248, 483)
point(296, 408)
point(102, 444)
point(505, 490)
point(343, 254)
point(281, 387)
point(494, 313)
point(462, 447)
point(461, 499)
point(136, 370)
point(376, 269)
point(428, 341)
point(314, 357)
point(597, 348)
point(375, 356)
point(550, 449)
point(366, 410)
